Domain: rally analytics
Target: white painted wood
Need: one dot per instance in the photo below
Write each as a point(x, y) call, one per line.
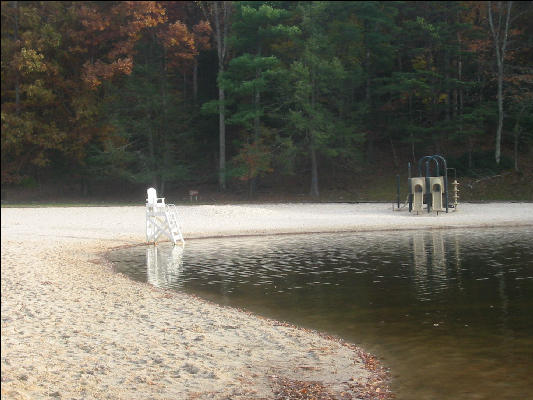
point(161, 219)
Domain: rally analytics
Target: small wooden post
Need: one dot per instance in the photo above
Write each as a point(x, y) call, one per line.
point(193, 194)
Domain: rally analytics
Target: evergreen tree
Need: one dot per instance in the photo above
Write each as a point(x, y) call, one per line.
point(257, 28)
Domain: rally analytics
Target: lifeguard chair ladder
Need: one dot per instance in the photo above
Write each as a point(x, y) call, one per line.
point(161, 219)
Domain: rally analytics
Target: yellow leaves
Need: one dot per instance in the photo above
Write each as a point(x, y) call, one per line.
point(124, 65)
point(30, 61)
point(38, 93)
point(178, 36)
point(26, 131)
point(13, 129)
point(419, 62)
point(150, 13)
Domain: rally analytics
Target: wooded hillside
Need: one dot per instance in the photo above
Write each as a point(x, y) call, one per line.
point(244, 95)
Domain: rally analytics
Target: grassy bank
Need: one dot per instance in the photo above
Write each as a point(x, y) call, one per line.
point(507, 186)
point(376, 183)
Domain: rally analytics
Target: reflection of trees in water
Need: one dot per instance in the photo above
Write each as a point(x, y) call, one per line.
point(164, 266)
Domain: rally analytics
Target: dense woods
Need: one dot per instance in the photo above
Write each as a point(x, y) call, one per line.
point(240, 94)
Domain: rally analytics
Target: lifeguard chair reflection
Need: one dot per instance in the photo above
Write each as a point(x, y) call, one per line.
point(164, 266)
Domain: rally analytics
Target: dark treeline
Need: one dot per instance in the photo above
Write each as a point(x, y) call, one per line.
point(232, 93)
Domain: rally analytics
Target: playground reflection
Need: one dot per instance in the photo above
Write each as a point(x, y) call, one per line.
point(429, 260)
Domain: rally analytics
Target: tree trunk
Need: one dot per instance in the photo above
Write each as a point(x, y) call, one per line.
point(435, 115)
point(369, 147)
point(219, 38)
point(314, 164)
point(257, 99)
point(460, 91)
point(370, 137)
point(17, 76)
point(413, 147)
point(185, 87)
point(314, 167)
point(161, 185)
point(497, 153)
point(367, 65)
point(221, 140)
point(411, 135)
point(151, 149)
point(470, 149)
point(394, 155)
point(257, 122)
point(221, 19)
point(195, 81)
point(166, 148)
point(500, 43)
point(84, 187)
point(152, 163)
point(516, 135)
point(447, 85)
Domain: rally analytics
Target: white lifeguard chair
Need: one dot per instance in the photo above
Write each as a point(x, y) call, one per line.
point(161, 219)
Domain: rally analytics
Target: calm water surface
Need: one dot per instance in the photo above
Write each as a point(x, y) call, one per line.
point(449, 312)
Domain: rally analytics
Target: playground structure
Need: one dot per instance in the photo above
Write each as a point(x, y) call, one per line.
point(161, 219)
point(430, 189)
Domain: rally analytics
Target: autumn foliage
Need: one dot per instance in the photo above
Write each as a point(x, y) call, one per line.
point(57, 55)
point(162, 92)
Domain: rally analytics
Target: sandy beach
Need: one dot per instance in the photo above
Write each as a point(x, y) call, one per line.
point(74, 329)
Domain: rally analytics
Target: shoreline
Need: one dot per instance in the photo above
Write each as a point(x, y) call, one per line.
point(72, 328)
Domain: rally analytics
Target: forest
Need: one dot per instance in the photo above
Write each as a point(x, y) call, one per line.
point(243, 97)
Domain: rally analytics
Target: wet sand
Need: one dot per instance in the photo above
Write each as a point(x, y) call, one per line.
point(71, 328)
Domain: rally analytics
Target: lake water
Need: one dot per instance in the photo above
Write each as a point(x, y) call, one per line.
point(450, 312)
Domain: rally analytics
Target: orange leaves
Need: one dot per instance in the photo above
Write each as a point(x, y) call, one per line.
point(254, 160)
point(139, 15)
point(177, 38)
point(92, 20)
point(184, 44)
point(202, 35)
point(176, 34)
point(116, 30)
point(93, 74)
point(110, 33)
